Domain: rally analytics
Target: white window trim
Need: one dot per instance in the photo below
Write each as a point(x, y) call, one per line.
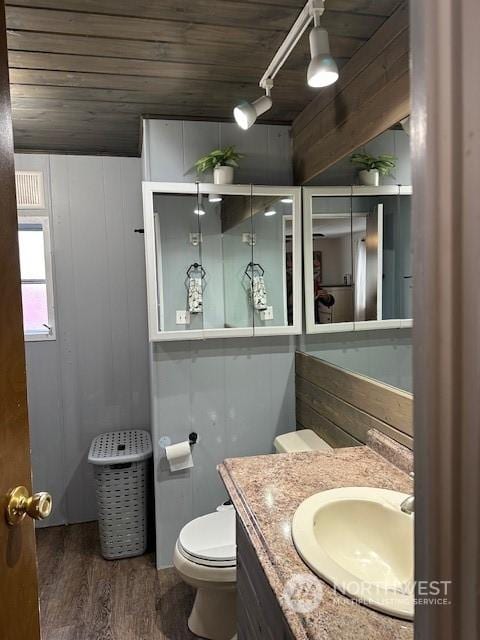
point(43, 221)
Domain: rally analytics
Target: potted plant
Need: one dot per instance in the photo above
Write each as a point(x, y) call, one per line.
point(222, 161)
point(371, 167)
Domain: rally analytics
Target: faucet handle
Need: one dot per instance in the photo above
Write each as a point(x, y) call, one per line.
point(412, 474)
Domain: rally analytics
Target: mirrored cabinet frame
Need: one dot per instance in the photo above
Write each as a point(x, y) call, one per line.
point(153, 258)
point(309, 193)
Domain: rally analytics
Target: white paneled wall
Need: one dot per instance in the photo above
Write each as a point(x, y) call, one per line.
point(171, 148)
point(238, 394)
point(95, 376)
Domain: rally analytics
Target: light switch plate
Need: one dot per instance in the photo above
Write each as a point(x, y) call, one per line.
point(196, 239)
point(183, 317)
point(267, 314)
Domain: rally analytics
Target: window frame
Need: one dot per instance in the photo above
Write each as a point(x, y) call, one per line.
point(44, 222)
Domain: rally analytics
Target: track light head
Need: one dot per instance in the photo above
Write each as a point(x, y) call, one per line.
point(322, 70)
point(246, 113)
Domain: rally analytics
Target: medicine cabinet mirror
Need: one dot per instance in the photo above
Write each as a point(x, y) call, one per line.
point(357, 258)
point(222, 260)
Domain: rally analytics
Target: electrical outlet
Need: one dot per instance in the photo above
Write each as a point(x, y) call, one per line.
point(183, 317)
point(249, 238)
point(267, 314)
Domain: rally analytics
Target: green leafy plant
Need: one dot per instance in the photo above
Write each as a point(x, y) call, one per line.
point(384, 163)
point(227, 157)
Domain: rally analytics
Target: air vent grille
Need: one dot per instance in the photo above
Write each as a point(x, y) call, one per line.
point(30, 194)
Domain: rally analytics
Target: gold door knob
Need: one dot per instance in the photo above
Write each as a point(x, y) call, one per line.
point(20, 504)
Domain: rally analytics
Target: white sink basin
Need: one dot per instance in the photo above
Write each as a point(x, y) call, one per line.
point(359, 541)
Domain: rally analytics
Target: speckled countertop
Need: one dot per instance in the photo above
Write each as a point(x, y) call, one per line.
point(266, 491)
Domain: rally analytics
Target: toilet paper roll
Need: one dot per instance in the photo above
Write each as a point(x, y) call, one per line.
point(179, 456)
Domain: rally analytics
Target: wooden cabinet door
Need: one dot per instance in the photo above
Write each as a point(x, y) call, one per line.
point(19, 617)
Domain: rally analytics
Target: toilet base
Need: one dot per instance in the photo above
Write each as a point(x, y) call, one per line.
point(214, 614)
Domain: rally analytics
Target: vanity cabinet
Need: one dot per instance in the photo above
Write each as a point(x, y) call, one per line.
point(259, 615)
point(222, 260)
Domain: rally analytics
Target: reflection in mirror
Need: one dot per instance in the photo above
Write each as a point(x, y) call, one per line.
point(272, 269)
point(234, 241)
point(382, 259)
point(333, 292)
point(222, 261)
point(180, 279)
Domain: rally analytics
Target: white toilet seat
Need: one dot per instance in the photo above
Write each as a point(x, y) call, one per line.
point(209, 541)
point(199, 575)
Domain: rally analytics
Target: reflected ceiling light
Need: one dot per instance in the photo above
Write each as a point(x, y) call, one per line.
point(199, 210)
point(270, 212)
point(286, 200)
point(246, 113)
point(214, 197)
point(322, 70)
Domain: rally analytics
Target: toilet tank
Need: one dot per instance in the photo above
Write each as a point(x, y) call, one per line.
point(302, 440)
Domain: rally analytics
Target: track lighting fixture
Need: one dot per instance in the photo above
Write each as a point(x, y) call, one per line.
point(322, 70)
point(246, 113)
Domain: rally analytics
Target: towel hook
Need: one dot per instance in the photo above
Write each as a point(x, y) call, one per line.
point(251, 266)
point(196, 267)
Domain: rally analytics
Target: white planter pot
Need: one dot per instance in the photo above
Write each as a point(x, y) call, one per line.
point(369, 177)
point(223, 175)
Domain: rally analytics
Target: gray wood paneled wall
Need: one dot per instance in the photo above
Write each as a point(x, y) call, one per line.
point(238, 394)
point(94, 377)
point(342, 406)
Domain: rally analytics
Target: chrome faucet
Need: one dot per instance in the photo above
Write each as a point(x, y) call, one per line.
point(408, 505)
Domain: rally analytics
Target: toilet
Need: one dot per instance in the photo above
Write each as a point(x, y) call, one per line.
point(205, 555)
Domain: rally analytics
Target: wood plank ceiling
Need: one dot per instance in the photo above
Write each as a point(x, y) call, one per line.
point(82, 72)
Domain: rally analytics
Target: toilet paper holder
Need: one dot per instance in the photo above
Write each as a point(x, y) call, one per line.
point(192, 438)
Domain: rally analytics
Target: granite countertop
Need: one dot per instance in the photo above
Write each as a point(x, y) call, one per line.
point(266, 491)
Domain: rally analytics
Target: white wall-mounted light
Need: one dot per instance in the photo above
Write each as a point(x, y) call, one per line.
point(286, 200)
point(214, 197)
point(246, 113)
point(270, 212)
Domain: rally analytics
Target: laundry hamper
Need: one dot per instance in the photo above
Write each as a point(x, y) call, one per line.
point(121, 464)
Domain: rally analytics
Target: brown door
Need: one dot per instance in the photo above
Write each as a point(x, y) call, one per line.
point(19, 618)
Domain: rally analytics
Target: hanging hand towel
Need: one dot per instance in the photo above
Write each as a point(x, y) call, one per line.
point(195, 295)
point(259, 293)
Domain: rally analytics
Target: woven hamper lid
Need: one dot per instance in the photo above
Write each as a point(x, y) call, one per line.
point(117, 447)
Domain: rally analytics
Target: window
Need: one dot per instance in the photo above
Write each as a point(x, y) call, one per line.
point(36, 275)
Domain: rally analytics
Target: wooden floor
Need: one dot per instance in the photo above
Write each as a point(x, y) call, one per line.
point(84, 597)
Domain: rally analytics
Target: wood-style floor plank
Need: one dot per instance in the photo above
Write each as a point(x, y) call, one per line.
point(84, 597)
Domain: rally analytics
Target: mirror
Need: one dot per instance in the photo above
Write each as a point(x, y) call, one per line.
point(222, 260)
point(226, 249)
point(382, 254)
point(329, 291)
point(177, 265)
point(357, 258)
point(273, 264)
